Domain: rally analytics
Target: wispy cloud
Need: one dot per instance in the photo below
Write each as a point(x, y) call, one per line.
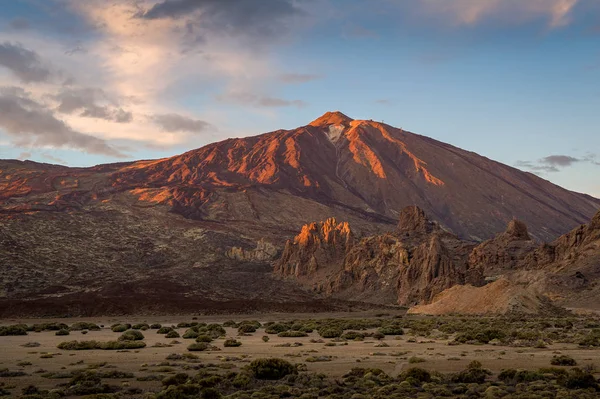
point(180, 123)
point(31, 124)
point(473, 12)
point(298, 77)
point(25, 64)
point(554, 163)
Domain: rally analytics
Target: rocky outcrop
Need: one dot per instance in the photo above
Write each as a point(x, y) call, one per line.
point(580, 243)
point(318, 246)
point(407, 266)
point(264, 252)
point(505, 251)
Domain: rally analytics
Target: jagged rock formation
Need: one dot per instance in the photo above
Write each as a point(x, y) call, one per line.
point(421, 263)
point(408, 266)
point(264, 252)
point(505, 251)
point(317, 246)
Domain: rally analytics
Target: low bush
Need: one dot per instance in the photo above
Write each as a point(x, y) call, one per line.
point(330, 332)
point(563, 360)
point(197, 347)
point(82, 325)
point(204, 338)
point(474, 374)
point(172, 334)
point(17, 329)
point(164, 330)
point(191, 334)
point(120, 327)
point(110, 345)
point(155, 326)
point(62, 332)
point(246, 329)
point(271, 369)
point(140, 326)
point(131, 335)
point(231, 343)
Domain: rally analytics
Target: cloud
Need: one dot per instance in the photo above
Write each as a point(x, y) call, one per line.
point(559, 160)
point(24, 155)
point(23, 63)
point(535, 168)
point(384, 101)
point(265, 19)
point(259, 101)
point(557, 13)
point(179, 123)
point(554, 163)
point(92, 103)
point(53, 158)
point(31, 124)
point(298, 77)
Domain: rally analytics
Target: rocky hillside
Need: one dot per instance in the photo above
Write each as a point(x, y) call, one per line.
point(181, 231)
point(407, 266)
point(420, 264)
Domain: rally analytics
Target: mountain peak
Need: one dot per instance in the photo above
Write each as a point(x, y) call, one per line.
point(332, 118)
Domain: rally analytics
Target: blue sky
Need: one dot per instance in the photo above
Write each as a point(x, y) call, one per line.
point(91, 82)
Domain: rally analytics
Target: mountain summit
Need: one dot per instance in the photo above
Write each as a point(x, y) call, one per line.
point(117, 237)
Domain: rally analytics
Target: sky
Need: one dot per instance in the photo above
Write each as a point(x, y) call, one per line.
point(99, 81)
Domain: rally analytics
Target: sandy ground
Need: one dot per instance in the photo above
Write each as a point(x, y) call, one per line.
point(438, 354)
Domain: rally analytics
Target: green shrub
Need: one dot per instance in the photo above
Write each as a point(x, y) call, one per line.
point(120, 327)
point(230, 323)
point(231, 343)
point(246, 329)
point(563, 360)
point(131, 335)
point(578, 379)
point(417, 374)
point(191, 334)
point(415, 359)
point(271, 369)
point(197, 347)
point(172, 334)
point(353, 336)
point(82, 325)
point(110, 345)
point(204, 338)
point(330, 332)
point(17, 329)
point(474, 374)
point(62, 332)
point(177, 379)
point(277, 328)
point(391, 330)
point(140, 326)
point(155, 326)
point(265, 338)
point(164, 330)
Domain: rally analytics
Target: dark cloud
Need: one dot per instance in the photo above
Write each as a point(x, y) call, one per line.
point(24, 63)
point(298, 77)
point(536, 167)
point(559, 160)
point(179, 123)
point(32, 124)
point(553, 163)
point(90, 103)
point(265, 19)
point(260, 101)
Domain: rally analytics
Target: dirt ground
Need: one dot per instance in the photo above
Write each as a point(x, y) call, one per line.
point(437, 354)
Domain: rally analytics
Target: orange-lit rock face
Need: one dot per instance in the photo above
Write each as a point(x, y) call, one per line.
point(335, 163)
